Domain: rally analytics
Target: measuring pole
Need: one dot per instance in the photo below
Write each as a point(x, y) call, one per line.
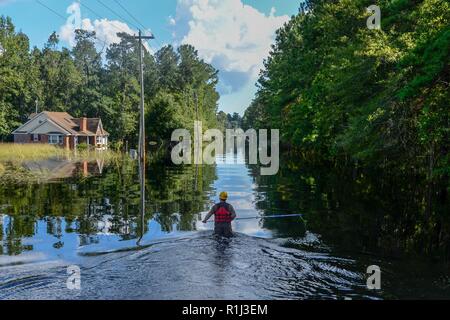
point(270, 217)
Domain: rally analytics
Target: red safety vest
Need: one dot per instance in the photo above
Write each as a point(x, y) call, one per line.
point(222, 214)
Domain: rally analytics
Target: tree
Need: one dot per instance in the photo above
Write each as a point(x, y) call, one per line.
point(16, 78)
point(339, 91)
point(59, 78)
point(84, 82)
point(167, 64)
point(122, 89)
point(88, 99)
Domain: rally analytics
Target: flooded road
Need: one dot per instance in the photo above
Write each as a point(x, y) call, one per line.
point(93, 222)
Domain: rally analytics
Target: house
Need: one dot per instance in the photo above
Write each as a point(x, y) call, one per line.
point(60, 128)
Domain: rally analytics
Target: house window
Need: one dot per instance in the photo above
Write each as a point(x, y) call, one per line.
point(101, 140)
point(35, 137)
point(55, 139)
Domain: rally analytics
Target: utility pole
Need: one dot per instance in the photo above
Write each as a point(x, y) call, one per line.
point(197, 147)
point(196, 104)
point(37, 106)
point(140, 37)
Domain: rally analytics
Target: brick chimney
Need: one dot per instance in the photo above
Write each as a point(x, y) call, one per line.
point(83, 124)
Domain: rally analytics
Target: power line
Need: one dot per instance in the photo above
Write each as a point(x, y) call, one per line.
point(118, 15)
point(129, 13)
point(138, 22)
point(100, 17)
point(95, 13)
point(159, 46)
point(64, 18)
point(45, 6)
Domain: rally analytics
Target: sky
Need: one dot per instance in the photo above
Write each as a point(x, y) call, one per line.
point(233, 35)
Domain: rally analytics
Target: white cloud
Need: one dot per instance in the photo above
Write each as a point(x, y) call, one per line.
point(106, 30)
point(67, 31)
point(234, 37)
point(172, 21)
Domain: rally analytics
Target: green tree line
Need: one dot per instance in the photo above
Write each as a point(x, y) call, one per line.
point(342, 93)
point(229, 121)
point(85, 81)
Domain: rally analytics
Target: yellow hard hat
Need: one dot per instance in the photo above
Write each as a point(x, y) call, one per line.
point(223, 195)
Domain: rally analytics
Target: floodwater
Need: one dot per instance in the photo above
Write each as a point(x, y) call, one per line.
point(94, 221)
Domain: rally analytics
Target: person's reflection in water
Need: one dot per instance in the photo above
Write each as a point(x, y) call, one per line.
point(223, 256)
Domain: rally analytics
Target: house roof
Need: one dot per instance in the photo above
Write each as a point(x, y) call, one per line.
point(94, 126)
point(71, 124)
point(64, 120)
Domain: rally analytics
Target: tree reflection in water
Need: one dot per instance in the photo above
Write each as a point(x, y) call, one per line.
point(96, 201)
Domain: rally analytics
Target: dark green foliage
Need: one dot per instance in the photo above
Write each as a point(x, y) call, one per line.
point(179, 86)
point(230, 121)
point(342, 93)
point(368, 101)
point(184, 91)
point(17, 82)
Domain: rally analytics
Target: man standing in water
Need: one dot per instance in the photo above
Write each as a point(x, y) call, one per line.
point(223, 215)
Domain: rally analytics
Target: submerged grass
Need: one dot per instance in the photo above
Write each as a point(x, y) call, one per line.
point(19, 153)
point(14, 156)
point(27, 152)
